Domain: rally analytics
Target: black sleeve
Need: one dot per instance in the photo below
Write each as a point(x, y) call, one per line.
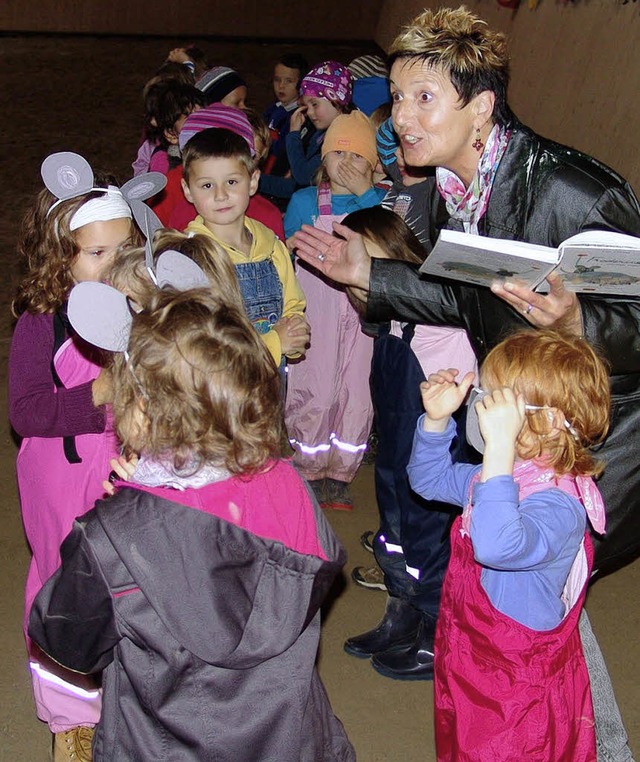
point(398, 292)
point(72, 618)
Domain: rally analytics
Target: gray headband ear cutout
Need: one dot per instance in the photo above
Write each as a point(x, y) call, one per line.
point(68, 175)
point(172, 269)
point(101, 315)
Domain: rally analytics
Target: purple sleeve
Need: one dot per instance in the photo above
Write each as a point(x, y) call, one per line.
point(510, 534)
point(431, 473)
point(36, 407)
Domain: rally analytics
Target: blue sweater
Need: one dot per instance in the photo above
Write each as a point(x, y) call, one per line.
point(303, 207)
point(526, 547)
point(304, 160)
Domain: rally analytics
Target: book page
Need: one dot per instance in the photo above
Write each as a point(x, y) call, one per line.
point(481, 261)
point(601, 262)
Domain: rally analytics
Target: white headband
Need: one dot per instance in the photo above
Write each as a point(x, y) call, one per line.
point(110, 206)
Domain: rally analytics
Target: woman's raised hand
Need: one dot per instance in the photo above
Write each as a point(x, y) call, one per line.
point(343, 261)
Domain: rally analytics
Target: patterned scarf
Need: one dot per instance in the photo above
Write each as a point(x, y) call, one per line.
point(532, 477)
point(469, 204)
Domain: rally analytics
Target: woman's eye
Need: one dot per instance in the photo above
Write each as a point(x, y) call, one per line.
point(396, 97)
point(97, 252)
point(425, 97)
point(232, 182)
point(206, 186)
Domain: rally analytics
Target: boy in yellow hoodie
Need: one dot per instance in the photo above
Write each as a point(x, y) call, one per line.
point(219, 178)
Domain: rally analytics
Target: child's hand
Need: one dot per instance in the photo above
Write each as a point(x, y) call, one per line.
point(290, 243)
point(121, 467)
point(441, 396)
point(294, 333)
point(297, 119)
point(102, 388)
point(178, 55)
point(501, 415)
point(356, 178)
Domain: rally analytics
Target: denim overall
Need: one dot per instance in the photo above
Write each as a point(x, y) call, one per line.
point(261, 291)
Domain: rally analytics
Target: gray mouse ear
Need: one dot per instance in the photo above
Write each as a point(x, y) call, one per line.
point(142, 187)
point(100, 315)
point(147, 220)
point(67, 175)
point(178, 271)
point(149, 224)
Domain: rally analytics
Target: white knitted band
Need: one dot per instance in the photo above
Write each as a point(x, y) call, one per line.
point(110, 206)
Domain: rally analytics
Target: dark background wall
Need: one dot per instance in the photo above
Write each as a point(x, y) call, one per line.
point(354, 19)
point(576, 68)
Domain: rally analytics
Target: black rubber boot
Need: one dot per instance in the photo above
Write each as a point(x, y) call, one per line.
point(397, 629)
point(412, 663)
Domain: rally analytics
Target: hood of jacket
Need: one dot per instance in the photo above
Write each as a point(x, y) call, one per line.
point(195, 569)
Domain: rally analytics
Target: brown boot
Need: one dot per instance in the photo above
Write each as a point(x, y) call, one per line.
point(73, 744)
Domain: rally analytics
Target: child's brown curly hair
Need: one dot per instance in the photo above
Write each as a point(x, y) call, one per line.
point(198, 386)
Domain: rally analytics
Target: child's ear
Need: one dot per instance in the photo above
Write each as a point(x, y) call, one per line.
point(171, 136)
point(186, 191)
point(253, 182)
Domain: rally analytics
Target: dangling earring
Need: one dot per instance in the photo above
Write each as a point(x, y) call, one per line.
point(477, 143)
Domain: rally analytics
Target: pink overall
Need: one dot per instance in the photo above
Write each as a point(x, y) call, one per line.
point(328, 410)
point(503, 691)
point(52, 493)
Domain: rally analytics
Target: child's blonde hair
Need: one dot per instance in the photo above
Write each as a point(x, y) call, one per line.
point(47, 248)
point(128, 272)
point(199, 387)
point(561, 371)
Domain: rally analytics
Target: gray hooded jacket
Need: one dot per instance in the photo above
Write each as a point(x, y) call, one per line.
point(207, 634)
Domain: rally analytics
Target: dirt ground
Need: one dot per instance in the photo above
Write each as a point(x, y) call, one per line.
point(82, 93)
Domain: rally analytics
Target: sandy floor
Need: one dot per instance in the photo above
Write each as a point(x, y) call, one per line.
point(83, 94)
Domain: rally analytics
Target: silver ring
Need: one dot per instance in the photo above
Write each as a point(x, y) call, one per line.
point(528, 309)
point(321, 257)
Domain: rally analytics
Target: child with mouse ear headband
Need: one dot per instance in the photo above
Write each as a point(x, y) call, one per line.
point(214, 533)
point(58, 390)
point(521, 552)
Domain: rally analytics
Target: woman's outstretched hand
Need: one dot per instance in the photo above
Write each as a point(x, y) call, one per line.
point(559, 309)
point(343, 261)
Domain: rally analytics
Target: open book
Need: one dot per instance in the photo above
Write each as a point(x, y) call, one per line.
point(596, 261)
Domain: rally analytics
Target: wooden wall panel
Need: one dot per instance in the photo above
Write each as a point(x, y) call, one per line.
point(290, 19)
point(575, 70)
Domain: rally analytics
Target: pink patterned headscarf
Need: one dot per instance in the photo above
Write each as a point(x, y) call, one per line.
point(330, 80)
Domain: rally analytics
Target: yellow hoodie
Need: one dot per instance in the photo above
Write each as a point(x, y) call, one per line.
point(264, 245)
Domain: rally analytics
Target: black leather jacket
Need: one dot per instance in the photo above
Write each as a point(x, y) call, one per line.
point(544, 193)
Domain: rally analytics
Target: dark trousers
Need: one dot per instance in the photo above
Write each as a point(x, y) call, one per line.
point(418, 528)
